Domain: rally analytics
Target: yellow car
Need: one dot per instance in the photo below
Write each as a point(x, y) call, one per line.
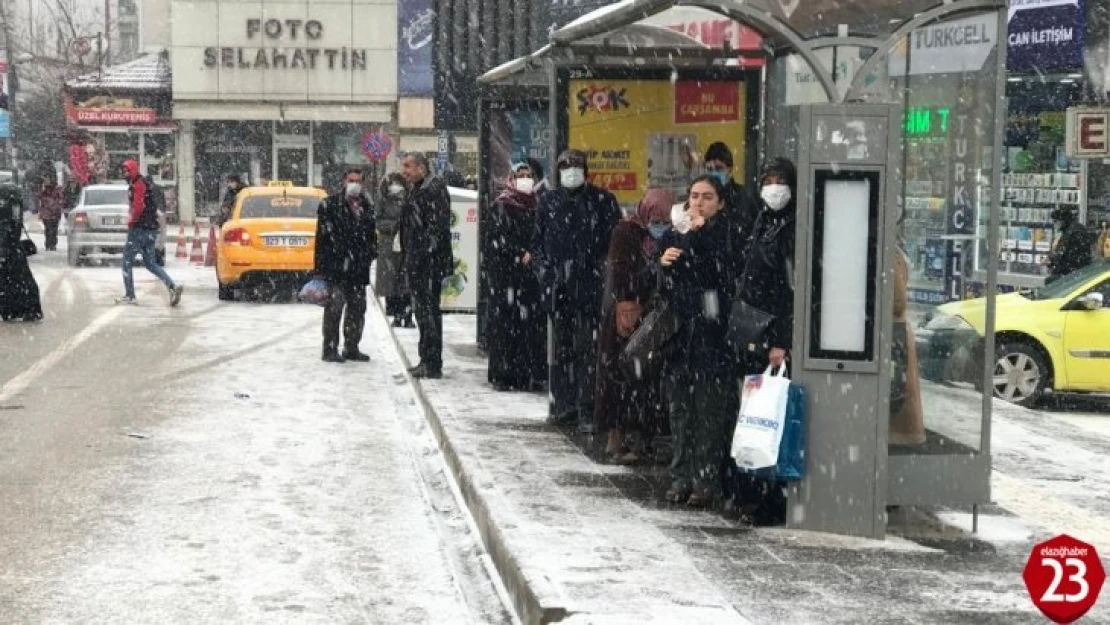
point(270, 235)
point(1054, 337)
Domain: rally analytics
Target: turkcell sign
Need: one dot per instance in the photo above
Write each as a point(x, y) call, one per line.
point(949, 47)
point(1045, 35)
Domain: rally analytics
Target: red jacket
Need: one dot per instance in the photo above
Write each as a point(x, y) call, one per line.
point(51, 203)
point(138, 193)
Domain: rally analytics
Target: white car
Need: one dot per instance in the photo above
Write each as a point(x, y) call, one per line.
point(97, 226)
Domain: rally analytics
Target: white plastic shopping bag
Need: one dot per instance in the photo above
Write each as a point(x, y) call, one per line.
point(758, 435)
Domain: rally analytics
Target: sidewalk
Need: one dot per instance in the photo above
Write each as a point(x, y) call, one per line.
point(576, 541)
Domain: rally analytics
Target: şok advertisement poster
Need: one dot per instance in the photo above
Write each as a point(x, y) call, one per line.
point(641, 133)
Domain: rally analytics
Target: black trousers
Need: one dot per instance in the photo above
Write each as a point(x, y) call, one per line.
point(352, 299)
point(429, 318)
point(572, 350)
point(51, 229)
point(398, 306)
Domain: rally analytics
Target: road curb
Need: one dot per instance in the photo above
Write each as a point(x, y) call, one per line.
point(524, 598)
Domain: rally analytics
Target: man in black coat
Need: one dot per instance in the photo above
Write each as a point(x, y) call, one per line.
point(740, 208)
point(346, 245)
point(428, 258)
point(573, 227)
point(1073, 250)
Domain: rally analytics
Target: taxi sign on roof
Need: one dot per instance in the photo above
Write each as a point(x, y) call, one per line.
point(280, 183)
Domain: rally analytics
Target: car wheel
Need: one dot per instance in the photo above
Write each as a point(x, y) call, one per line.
point(227, 294)
point(1020, 373)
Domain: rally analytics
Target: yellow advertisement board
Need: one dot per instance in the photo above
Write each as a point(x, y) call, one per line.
point(638, 133)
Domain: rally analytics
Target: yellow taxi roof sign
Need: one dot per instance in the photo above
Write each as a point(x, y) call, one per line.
point(280, 183)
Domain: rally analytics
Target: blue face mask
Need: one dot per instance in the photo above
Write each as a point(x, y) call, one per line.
point(722, 177)
point(658, 230)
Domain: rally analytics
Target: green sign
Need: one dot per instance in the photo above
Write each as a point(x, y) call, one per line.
point(924, 122)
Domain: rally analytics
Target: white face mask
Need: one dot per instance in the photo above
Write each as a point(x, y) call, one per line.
point(396, 189)
point(572, 177)
point(525, 185)
point(354, 189)
point(776, 196)
point(680, 219)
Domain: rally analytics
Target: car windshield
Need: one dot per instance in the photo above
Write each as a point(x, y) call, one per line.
point(1065, 285)
point(270, 206)
point(105, 197)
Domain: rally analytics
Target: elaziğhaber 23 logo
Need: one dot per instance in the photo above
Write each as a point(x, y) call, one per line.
point(601, 98)
point(1064, 577)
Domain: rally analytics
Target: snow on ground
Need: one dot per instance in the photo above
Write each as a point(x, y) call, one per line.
point(268, 486)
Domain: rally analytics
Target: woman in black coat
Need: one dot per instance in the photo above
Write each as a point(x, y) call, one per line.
point(19, 293)
point(517, 330)
point(702, 390)
point(388, 280)
point(767, 283)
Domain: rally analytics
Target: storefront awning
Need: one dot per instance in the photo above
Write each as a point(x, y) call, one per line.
point(148, 73)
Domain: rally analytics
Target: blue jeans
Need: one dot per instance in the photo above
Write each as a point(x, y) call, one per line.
point(140, 241)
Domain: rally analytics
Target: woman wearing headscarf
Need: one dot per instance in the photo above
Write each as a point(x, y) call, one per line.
point(19, 293)
point(628, 409)
point(389, 281)
point(517, 331)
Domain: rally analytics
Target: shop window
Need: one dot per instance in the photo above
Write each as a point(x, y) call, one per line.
point(157, 145)
point(292, 128)
point(121, 142)
point(115, 163)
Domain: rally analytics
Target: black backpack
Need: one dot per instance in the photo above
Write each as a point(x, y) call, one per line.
point(153, 203)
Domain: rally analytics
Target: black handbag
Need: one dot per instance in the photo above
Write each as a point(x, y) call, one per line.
point(746, 326)
point(27, 246)
point(642, 358)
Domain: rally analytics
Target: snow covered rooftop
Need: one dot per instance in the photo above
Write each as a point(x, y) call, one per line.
point(150, 72)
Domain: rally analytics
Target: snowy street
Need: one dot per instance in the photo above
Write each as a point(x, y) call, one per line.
point(201, 464)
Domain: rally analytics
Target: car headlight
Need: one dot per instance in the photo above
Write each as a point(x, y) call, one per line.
point(944, 322)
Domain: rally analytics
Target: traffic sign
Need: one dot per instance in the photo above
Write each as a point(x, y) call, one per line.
point(377, 145)
point(1064, 577)
point(82, 46)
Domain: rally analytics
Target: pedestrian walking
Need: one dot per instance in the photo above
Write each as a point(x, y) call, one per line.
point(702, 390)
point(517, 331)
point(1072, 249)
point(1102, 248)
point(142, 235)
point(19, 293)
point(629, 409)
point(346, 245)
point(571, 241)
point(51, 198)
point(428, 258)
point(389, 281)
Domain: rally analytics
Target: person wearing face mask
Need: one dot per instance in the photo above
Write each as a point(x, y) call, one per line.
point(428, 257)
point(740, 209)
point(628, 409)
point(517, 331)
point(1073, 247)
point(346, 245)
point(767, 284)
point(569, 245)
point(388, 281)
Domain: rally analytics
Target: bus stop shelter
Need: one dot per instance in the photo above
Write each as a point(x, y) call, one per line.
point(880, 105)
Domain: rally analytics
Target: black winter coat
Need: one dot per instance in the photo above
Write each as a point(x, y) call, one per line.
point(426, 233)
point(346, 245)
point(1073, 251)
point(768, 278)
point(741, 211)
point(700, 286)
point(570, 244)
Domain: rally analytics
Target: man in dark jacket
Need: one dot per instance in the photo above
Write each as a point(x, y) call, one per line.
point(573, 228)
point(234, 186)
point(740, 209)
point(428, 258)
point(346, 245)
point(1073, 250)
point(142, 235)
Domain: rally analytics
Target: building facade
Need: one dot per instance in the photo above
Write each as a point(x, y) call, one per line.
point(279, 91)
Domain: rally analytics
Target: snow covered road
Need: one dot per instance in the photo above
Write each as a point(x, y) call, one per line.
point(201, 464)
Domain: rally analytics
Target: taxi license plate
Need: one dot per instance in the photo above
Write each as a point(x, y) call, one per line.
point(286, 241)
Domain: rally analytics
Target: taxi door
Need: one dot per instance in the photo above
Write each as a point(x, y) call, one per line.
point(1087, 344)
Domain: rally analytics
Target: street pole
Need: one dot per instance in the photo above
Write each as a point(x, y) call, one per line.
point(99, 56)
point(108, 29)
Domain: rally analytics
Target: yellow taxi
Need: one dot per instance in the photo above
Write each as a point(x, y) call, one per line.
point(1057, 336)
point(270, 235)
